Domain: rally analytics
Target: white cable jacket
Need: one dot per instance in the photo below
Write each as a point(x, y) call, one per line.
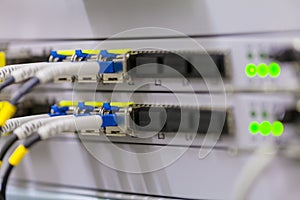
point(29, 71)
point(32, 126)
point(259, 161)
point(6, 71)
point(68, 69)
point(296, 44)
point(13, 123)
point(70, 124)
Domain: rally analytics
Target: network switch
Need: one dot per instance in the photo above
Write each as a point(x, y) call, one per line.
point(244, 121)
point(229, 64)
point(238, 101)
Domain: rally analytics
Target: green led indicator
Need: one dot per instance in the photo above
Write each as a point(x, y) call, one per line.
point(250, 55)
point(253, 114)
point(264, 114)
point(265, 128)
point(251, 70)
point(274, 69)
point(277, 128)
point(262, 70)
point(263, 55)
point(253, 128)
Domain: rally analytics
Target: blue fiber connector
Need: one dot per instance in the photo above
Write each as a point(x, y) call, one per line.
point(58, 111)
point(104, 53)
point(110, 67)
point(109, 120)
point(107, 106)
point(54, 54)
point(82, 106)
point(80, 54)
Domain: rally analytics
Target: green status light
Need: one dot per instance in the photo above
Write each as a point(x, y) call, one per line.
point(265, 128)
point(251, 70)
point(277, 128)
point(274, 69)
point(253, 128)
point(262, 70)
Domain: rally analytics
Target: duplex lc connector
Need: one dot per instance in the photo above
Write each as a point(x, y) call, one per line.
point(85, 55)
point(110, 69)
point(24, 131)
point(24, 126)
point(42, 76)
point(112, 64)
point(70, 123)
point(115, 114)
point(17, 73)
point(20, 72)
point(106, 116)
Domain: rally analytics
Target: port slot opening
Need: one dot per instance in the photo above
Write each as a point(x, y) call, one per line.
point(182, 120)
point(62, 79)
point(112, 79)
point(182, 63)
point(87, 78)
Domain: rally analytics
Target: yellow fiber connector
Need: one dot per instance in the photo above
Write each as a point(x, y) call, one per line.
point(2, 59)
point(89, 51)
point(7, 111)
point(121, 104)
point(93, 103)
point(118, 51)
point(66, 52)
point(68, 103)
point(18, 155)
point(92, 51)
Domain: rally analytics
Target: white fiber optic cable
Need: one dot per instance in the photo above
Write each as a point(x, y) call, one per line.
point(70, 124)
point(29, 71)
point(13, 123)
point(258, 162)
point(66, 68)
point(23, 73)
point(30, 127)
point(6, 71)
point(24, 130)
